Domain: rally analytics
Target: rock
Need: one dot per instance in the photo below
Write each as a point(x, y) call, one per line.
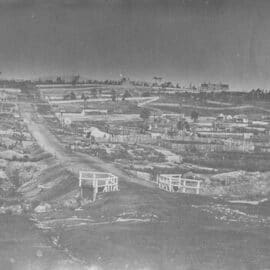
point(228, 178)
point(7, 142)
point(6, 187)
point(240, 184)
point(27, 144)
point(43, 207)
point(39, 253)
point(3, 163)
point(16, 209)
point(71, 203)
point(3, 175)
point(27, 206)
point(12, 155)
point(12, 209)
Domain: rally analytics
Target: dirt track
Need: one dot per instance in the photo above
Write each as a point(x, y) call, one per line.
point(186, 237)
point(71, 160)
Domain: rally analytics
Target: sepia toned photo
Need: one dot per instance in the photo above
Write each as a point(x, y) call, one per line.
point(134, 135)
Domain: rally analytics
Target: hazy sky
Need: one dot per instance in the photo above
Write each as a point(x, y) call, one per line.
point(185, 41)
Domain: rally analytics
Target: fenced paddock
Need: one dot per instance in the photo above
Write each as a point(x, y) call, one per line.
point(175, 183)
point(97, 182)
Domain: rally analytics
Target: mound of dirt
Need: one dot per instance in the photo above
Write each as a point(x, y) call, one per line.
point(7, 142)
point(12, 155)
point(23, 172)
point(6, 187)
point(12, 209)
point(229, 178)
point(240, 184)
point(49, 184)
point(3, 175)
point(3, 163)
point(43, 207)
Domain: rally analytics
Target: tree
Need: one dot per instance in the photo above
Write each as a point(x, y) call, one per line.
point(126, 95)
point(194, 116)
point(143, 127)
point(94, 92)
point(84, 97)
point(59, 80)
point(180, 125)
point(145, 114)
point(113, 95)
point(75, 79)
point(187, 126)
point(72, 95)
point(146, 94)
point(100, 92)
point(183, 125)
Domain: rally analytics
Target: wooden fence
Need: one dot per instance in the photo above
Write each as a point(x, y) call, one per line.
point(175, 183)
point(98, 181)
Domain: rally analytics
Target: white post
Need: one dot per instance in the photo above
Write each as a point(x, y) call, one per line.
point(198, 187)
point(184, 186)
point(94, 187)
point(171, 187)
point(80, 185)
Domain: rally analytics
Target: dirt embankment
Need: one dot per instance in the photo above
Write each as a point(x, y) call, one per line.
point(239, 184)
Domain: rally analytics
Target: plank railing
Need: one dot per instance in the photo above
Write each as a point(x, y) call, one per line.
point(175, 183)
point(106, 182)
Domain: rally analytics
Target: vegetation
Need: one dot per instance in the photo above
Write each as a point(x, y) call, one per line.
point(94, 93)
point(70, 96)
point(126, 95)
point(194, 116)
point(113, 95)
point(145, 114)
point(183, 125)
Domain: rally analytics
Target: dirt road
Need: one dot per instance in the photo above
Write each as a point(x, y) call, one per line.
point(73, 161)
point(183, 237)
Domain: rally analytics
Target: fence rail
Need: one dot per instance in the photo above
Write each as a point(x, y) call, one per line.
point(98, 181)
point(175, 183)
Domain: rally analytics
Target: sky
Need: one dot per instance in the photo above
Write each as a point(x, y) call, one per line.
point(185, 41)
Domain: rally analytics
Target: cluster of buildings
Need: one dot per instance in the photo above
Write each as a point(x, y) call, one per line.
point(210, 87)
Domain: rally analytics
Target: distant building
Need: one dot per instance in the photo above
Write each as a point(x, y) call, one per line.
point(214, 87)
point(241, 118)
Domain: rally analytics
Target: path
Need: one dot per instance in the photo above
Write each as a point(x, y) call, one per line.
point(73, 161)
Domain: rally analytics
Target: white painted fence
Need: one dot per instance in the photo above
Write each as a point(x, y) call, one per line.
point(99, 181)
point(175, 183)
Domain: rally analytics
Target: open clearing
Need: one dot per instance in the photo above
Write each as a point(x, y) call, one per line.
point(144, 228)
point(137, 227)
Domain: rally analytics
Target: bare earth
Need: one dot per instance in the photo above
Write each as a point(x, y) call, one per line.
point(178, 234)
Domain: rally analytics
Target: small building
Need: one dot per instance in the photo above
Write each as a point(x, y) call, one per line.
point(240, 118)
point(228, 117)
point(214, 87)
point(96, 133)
point(221, 117)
